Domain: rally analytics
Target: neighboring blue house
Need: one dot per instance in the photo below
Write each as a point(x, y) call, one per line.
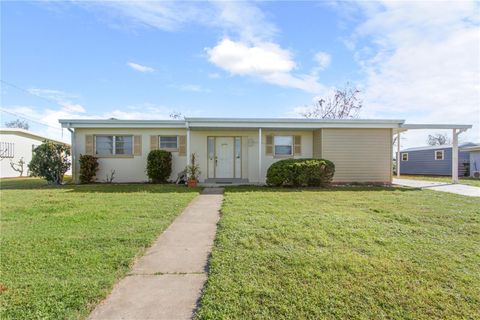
point(433, 160)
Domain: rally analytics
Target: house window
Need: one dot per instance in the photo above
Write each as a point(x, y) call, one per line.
point(168, 142)
point(114, 145)
point(404, 156)
point(439, 155)
point(7, 149)
point(283, 145)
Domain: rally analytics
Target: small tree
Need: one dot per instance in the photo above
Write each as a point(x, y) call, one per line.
point(50, 161)
point(88, 168)
point(22, 124)
point(19, 166)
point(342, 104)
point(159, 165)
point(438, 139)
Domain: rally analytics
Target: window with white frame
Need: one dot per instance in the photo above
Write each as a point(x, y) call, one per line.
point(404, 156)
point(168, 142)
point(7, 149)
point(114, 145)
point(439, 155)
point(283, 145)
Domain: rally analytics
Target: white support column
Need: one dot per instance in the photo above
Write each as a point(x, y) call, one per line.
point(260, 154)
point(188, 145)
point(398, 155)
point(72, 152)
point(455, 156)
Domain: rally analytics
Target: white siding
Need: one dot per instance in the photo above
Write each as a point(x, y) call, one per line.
point(23, 144)
point(359, 155)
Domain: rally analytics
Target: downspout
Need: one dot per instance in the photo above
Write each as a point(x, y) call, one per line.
point(188, 142)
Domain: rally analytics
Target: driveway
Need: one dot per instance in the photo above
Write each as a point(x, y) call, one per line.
point(461, 189)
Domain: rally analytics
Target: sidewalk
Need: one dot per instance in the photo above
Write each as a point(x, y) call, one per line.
point(461, 189)
point(167, 282)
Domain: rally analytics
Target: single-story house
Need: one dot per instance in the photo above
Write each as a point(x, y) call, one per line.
point(474, 159)
point(16, 144)
point(237, 150)
point(434, 160)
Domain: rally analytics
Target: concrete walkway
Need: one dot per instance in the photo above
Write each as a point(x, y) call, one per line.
point(462, 189)
point(167, 282)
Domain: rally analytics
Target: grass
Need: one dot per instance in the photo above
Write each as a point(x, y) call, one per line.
point(447, 179)
point(63, 248)
point(345, 253)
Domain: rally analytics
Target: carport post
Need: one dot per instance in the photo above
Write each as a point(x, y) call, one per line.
point(398, 155)
point(455, 156)
point(188, 144)
point(259, 154)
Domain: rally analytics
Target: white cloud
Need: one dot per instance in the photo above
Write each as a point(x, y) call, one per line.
point(62, 98)
point(240, 20)
point(264, 60)
point(140, 68)
point(214, 75)
point(422, 63)
point(191, 88)
point(241, 59)
point(322, 59)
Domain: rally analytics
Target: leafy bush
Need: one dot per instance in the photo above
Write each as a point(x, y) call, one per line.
point(88, 168)
point(50, 161)
point(300, 172)
point(159, 165)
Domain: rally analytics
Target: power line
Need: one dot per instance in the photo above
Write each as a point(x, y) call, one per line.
point(28, 91)
point(29, 119)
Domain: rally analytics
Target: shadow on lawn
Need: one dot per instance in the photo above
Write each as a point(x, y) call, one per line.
point(39, 184)
point(237, 189)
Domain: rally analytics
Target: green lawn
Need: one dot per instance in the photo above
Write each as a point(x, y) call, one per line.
point(463, 180)
point(345, 253)
point(63, 248)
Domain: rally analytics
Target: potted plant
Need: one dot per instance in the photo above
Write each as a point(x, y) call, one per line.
point(193, 172)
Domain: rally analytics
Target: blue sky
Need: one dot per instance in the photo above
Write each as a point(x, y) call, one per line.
point(144, 60)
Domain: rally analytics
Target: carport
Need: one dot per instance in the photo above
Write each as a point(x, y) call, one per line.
point(457, 129)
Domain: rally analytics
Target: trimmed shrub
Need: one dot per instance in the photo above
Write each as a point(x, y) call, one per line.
point(50, 161)
point(159, 166)
point(300, 172)
point(88, 168)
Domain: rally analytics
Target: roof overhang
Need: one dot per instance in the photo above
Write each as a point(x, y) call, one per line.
point(237, 123)
point(471, 149)
point(30, 134)
point(114, 123)
point(418, 126)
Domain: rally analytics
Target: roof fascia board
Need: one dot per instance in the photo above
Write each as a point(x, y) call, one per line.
point(436, 126)
point(30, 134)
point(289, 125)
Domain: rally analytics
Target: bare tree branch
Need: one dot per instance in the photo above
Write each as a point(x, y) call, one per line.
point(343, 104)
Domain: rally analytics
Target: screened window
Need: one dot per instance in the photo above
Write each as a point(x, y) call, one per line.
point(7, 149)
point(283, 145)
point(114, 145)
point(404, 156)
point(439, 154)
point(168, 142)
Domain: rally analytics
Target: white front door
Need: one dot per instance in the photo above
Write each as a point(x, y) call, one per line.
point(224, 157)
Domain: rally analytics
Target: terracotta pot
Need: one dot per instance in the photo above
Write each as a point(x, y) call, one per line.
point(192, 183)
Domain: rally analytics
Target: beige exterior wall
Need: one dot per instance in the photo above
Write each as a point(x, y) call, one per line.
point(359, 155)
point(198, 145)
point(130, 169)
point(307, 148)
point(362, 155)
point(317, 144)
